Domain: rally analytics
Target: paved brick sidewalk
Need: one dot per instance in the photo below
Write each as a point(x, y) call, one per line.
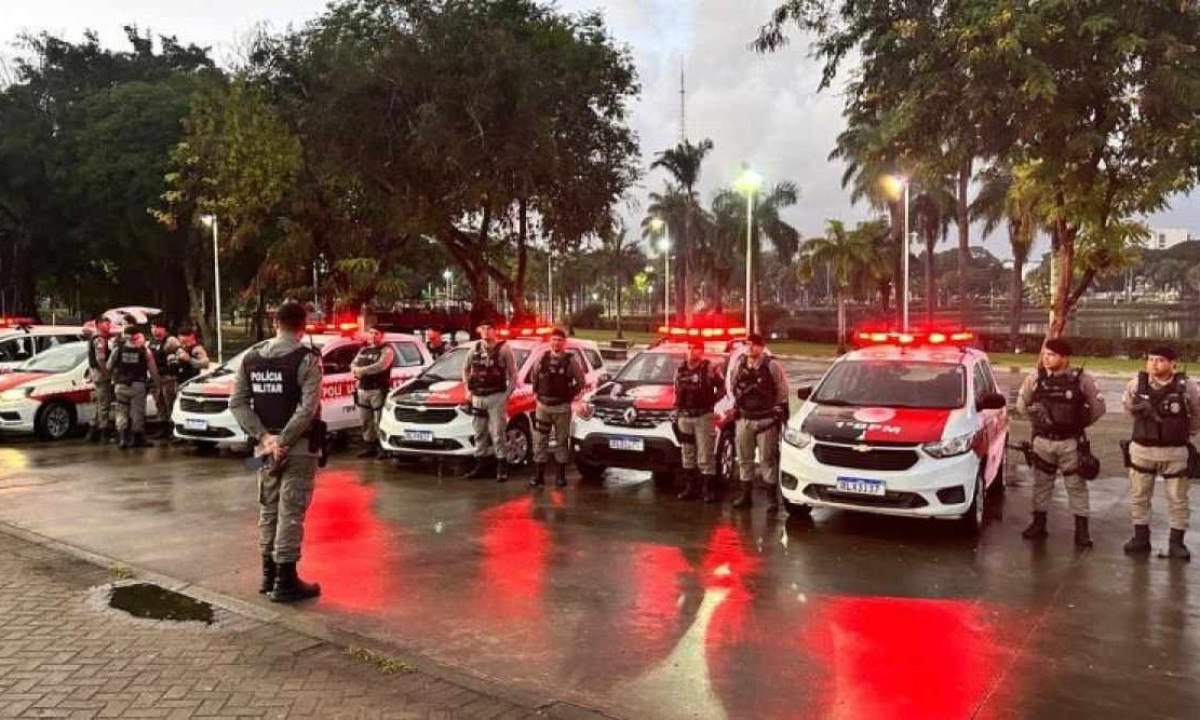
point(62, 657)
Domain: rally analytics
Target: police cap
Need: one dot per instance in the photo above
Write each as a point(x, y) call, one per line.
point(1164, 351)
point(1058, 346)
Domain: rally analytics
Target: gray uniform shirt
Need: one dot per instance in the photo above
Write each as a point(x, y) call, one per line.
point(506, 359)
point(1192, 395)
point(306, 411)
point(1087, 384)
point(777, 374)
point(386, 358)
point(575, 370)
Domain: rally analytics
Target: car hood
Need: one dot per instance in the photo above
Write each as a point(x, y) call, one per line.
point(641, 396)
point(216, 387)
point(10, 380)
point(876, 424)
point(425, 391)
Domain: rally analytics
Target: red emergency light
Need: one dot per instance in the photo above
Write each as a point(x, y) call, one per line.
point(15, 321)
point(914, 338)
point(703, 333)
point(540, 331)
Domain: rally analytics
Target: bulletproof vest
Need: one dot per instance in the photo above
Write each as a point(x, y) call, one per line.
point(275, 386)
point(370, 355)
point(158, 348)
point(131, 365)
point(1061, 395)
point(554, 384)
point(487, 375)
point(1168, 425)
point(183, 369)
point(695, 388)
point(754, 389)
point(98, 352)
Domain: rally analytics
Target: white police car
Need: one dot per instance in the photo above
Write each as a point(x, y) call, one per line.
point(909, 424)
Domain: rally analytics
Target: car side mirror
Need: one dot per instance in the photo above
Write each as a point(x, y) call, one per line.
point(804, 392)
point(991, 401)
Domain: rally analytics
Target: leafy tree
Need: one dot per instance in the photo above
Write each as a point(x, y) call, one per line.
point(846, 252)
point(683, 162)
point(999, 201)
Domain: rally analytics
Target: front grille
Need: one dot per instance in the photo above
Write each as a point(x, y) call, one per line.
point(10, 416)
point(424, 416)
point(615, 417)
point(210, 433)
point(444, 444)
point(872, 459)
point(203, 406)
point(892, 499)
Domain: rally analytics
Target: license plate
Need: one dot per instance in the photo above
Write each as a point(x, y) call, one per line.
point(627, 444)
point(425, 436)
point(195, 424)
point(861, 486)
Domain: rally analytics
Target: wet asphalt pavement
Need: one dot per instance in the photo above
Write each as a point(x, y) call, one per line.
point(625, 600)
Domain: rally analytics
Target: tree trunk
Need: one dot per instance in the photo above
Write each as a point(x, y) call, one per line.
point(930, 293)
point(963, 221)
point(683, 256)
point(841, 320)
point(1062, 261)
point(617, 285)
point(1016, 304)
point(896, 218)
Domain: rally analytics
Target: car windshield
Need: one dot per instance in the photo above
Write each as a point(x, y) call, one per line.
point(57, 360)
point(656, 368)
point(893, 383)
point(234, 363)
point(450, 365)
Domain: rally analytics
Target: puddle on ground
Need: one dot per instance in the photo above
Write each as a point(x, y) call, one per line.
point(145, 600)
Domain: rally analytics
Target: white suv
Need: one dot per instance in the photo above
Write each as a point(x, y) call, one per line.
point(911, 425)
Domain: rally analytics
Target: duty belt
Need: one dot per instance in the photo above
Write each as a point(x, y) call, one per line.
point(695, 413)
point(1056, 436)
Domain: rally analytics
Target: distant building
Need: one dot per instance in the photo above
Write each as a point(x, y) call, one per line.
point(1164, 238)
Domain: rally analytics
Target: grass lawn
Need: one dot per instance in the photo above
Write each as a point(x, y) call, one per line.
point(1002, 361)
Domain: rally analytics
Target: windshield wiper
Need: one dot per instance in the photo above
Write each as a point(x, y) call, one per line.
point(836, 403)
point(434, 377)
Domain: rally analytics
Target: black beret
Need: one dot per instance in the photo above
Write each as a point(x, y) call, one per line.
point(1058, 346)
point(1164, 351)
point(755, 339)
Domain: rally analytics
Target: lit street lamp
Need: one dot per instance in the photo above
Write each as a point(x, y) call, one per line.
point(903, 182)
point(448, 277)
point(664, 244)
point(211, 221)
point(748, 184)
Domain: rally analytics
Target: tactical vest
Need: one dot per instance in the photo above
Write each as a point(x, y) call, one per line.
point(370, 355)
point(754, 389)
point(98, 352)
point(487, 375)
point(696, 390)
point(158, 348)
point(183, 368)
point(132, 366)
point(1168, 425)
point(553, 383)
point(275, 386)
point(1061, 395)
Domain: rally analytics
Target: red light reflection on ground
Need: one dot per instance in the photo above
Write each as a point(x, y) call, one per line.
point(347, 548)
point(514, 561)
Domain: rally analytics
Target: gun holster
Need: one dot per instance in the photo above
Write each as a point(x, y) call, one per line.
point(1125, 457)
point(1193, 464)
point(318, 441)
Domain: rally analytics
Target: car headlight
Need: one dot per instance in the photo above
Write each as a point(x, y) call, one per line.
point(796, 438)
point(16, 394)
point(586, 411)
point(950, 448)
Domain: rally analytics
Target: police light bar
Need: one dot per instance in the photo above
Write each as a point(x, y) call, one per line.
point(914, 338)
point(15, 321)
point(528, 331)
point(703, 333)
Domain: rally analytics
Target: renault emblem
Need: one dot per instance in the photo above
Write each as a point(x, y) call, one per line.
point(630, 415)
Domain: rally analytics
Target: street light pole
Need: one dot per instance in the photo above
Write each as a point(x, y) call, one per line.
point(748, 183)
point(905, 250)
point(211, 220)
point(550, 287)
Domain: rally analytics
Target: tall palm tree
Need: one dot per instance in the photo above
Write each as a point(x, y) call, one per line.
point(683, 163)
point(729, 213)
point(934, 208)
point(846, 253)
point(1000, 200)
point(621, 259)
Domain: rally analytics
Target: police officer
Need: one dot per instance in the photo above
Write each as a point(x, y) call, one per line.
point(490, 374)
point(133, 369)
point(699, 384)
point(760, 393)
point(1060, 402)
point(557, 380)
point(191, 359)
point(100, 346)
point(372, 367)
point(165, 348)
point(436, 344)
point(1165, 405)
point(276, 400)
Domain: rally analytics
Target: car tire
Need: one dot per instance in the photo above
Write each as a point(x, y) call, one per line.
point(664, 481)
point(518, 442)
point(973, 519)
point(726, 458)
point(589, 472)
point(797, 510)
point(55, 421)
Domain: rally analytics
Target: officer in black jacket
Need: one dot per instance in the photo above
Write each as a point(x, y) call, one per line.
point(277, 399)
point(133, 369)
point(699, 384)
point(490, 374)
point(372, 367)
point(760, 393)
point(1165, 405)
point(557, 380)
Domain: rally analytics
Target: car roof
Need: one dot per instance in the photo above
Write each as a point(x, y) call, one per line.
point(928, 354)
point(42, 330)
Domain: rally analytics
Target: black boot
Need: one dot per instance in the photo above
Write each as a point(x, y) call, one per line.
point(501, 471)
point(139, 441)
point(1037, 528)
point(1176, 548)
point(772, 492)
point(712, 489)
point(480, 470)
point(1139, 544)
point(94, 435)
point(539, 480)
point(123, 439)
point(289, 587)
point(691, 488)
point(371, 452)
point(268, 575)
point(746, 498)
point(560, 476)
point(1083, 539)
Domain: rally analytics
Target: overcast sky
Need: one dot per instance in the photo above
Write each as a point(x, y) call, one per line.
point(761, 110)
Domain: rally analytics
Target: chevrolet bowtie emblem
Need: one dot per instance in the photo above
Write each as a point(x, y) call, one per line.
point(862, 448)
